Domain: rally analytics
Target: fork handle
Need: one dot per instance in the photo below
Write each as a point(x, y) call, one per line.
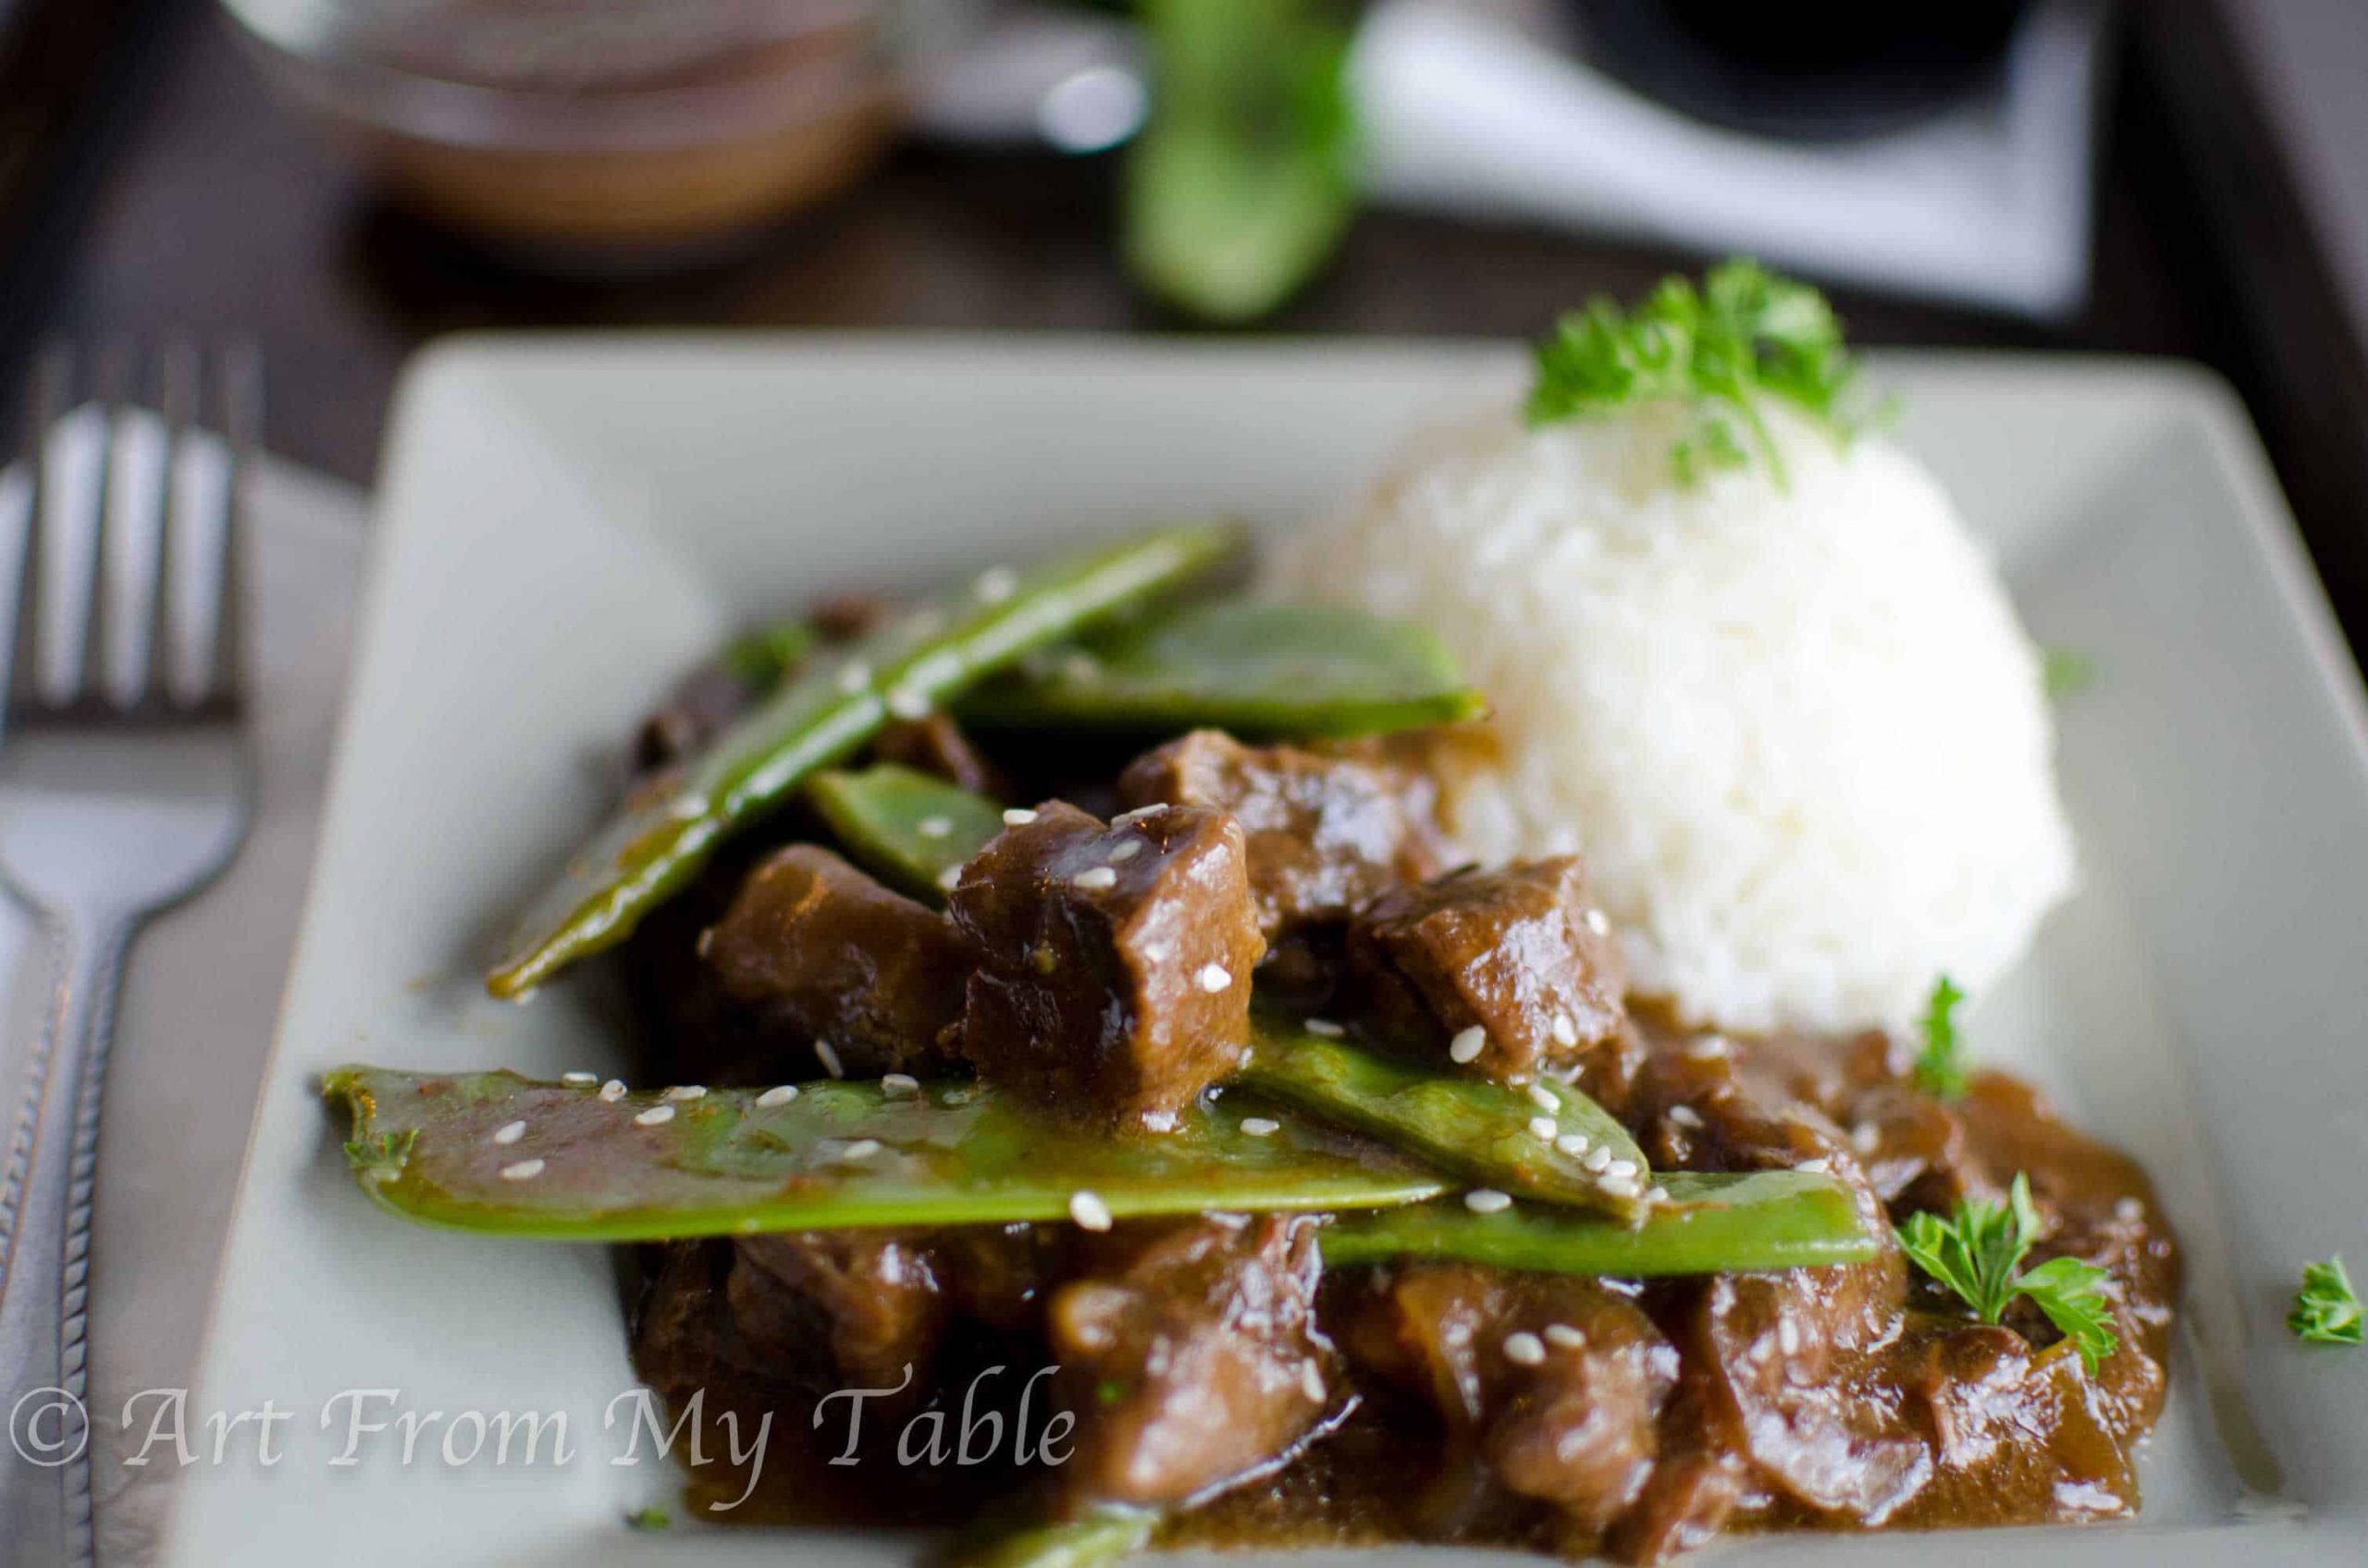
point(45, 1191)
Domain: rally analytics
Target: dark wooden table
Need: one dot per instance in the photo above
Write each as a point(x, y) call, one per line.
point(205, 205)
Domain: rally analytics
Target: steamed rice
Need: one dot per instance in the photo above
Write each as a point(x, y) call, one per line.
point(1797, 732)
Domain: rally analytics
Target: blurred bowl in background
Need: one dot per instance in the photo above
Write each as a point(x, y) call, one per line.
point(594, 130)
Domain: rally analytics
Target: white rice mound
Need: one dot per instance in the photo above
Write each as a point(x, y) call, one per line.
point(1796, 730)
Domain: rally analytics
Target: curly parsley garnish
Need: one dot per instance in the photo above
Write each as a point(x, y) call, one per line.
point(2326, 1311)
point(1977, 1252)
point(1940, 1067)
point(1745, 334)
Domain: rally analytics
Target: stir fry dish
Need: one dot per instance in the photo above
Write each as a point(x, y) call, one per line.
point(1089, 967)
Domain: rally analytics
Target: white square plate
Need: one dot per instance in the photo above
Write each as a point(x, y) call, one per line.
point(566, 523)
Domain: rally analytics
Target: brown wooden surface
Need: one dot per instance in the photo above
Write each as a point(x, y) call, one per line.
point(220, 211)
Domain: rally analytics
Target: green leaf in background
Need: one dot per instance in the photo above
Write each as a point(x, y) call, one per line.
point(1244, 180)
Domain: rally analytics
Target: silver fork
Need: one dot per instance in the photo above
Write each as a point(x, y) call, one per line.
point(124, 787)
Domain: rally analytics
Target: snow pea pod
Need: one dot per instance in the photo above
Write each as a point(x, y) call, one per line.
point(1099, 1537)
point(1489, 1132)
point(903, 825)
point(1709, 1224)
point(1255, 670)
point(646, 1166)
point(821, 714)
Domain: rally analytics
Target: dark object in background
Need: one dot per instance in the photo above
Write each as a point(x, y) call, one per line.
point(1802, 73)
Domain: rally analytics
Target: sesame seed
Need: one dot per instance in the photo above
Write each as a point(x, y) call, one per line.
point(1709, 1045)
point(780, 1094)
point(1467, 1044)
point(1622, 1186)
point(1213, 978)
point(950, 878)
point(613, 1091)
point(861, 1149)
point(1544, 1098)
point(907, 703)
point(1619, 1168)
point(1525, 1349)
point(996, 583)
point(687, 1091)
point(2129, 1211)
point(1659, 1195)
point(1126, 819)
point(1323, 1029)
point(510, 1132)
point(524, 1170)
point(1261, 1127)
point(1572, 1143)
point(1866, 1138)
point(854, 675)
point(1684, 1115)
point(1566, 1032)
point(899, 1083)
point(1126, 851)
point(829, 1054)
point(1486, 1200)
point(706, 943)
point(657, 1116)
point(1564, 1336)
point(1090, 1212)
point(1598, 923)
point(1017, 816)
point(579, 1080)
point(1095, 878)
point(1544, 1128)
point(934, 827)
point(1788, 1336)
point(1819, 1165)
point(1598, 1158)
point(1159, 1121)
point(1311, 1381)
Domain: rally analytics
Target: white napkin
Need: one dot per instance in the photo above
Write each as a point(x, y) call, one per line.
point(200, 997)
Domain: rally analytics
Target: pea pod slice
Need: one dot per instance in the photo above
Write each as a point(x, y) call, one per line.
point(1255, 670)
point(1711, 1224)
point(910, 828)
point(823, 714)
point(1101, 1536)
point(646, 1167)
point(1486, 1131)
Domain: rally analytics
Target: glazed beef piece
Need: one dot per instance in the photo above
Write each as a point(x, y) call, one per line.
point(872, 1301)
point(1519, 952)
point(1550, 1387)
point(821, 954)
point(1189, 1351)
point(697, 708)
point(1325, 833)
point(935, 744)
point(1113, 981)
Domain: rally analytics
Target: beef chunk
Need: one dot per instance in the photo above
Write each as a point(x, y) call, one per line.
point(825, 953)
point(1191, 1354)
point(1326, 833)
point(873, 1297)
point(693, 713)
point(1115, 959)
point(935, 744)
point(1519, 952)
point(1550, 1385)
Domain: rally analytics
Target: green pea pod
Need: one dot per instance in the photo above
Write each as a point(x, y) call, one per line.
point(1474, 1127)
point(910, 828)
point(1100, 1536)
point(1711, 1224)
point(1255, 670)
point(645, 1167)
point(761, 658)
point(823, 714)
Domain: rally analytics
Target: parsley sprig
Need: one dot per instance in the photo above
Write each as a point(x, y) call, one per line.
point(1745, 334)
point(1940, 1067)
point(2326, 1311)
point(1978, 1251)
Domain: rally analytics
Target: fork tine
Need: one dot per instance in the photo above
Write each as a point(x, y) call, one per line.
point(242, 394)
point(72, 490)
point(16, 568)
point(130, 566)
point(201, 508)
